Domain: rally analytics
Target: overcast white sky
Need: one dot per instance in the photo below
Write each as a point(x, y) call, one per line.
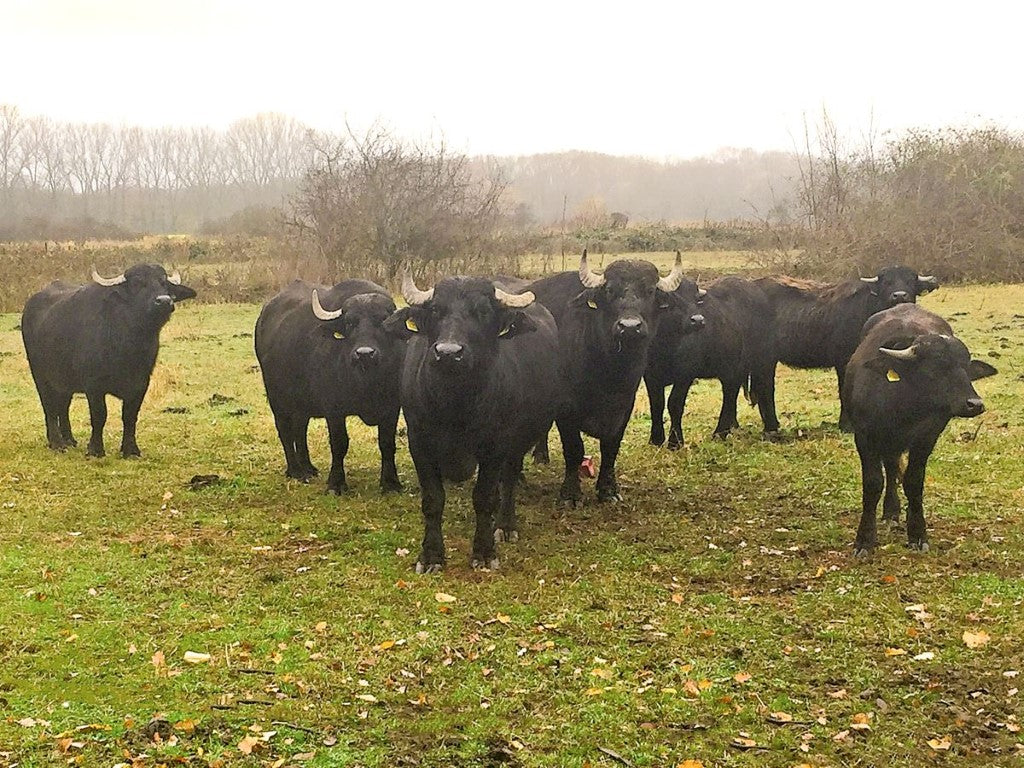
point(671, 79)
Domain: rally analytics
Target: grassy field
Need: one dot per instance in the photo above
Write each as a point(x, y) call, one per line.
point(715, 615)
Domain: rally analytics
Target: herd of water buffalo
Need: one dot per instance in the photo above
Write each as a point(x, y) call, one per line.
point(482, 367)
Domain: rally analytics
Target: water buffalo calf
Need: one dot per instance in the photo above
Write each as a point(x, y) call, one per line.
point(101, 339)
point(479, 387)
point(908, 377)
point(818, 325)
point(716, 333)
point(331, 363)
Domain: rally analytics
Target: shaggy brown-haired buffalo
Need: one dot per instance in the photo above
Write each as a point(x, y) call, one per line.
point(818, 325)
point(479, 388)
point(101, 339)
point(716, 333)
point(905, 381)
point(605, 324)
point(324, 354)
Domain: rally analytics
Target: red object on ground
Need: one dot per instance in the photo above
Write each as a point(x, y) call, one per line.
point(587, 468)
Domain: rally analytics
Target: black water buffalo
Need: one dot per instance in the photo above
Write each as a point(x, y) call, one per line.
point(716, 333)
point(479, 387)
point(101, 339)
point(905, 381)
point(331, 363)
point(605, 325)
point(817, 325)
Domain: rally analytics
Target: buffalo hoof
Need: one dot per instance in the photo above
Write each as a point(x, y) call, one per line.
point(391, 486)
point(429, 567)
point(501, 536)
point(892, 522)
point(485, 564)
point(863, 553)
point(131, 453)
point(657, 440)
point(720, 435)
point(570, 502)
point(541, 458)
point(772, 436)
point(58, 447)
point(302, 475)
point(96, 453)
point(674, 445)
point(608, 495)
point(918, 546)
point(337, 490)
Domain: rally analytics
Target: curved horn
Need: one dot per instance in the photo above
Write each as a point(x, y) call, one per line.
point(900, 354)
point(174, 279)
point(414, 297)
point(674, 278)
point(107, 281)
point(323, 314)
point(587, 277)
point(513, 300)
point(701, 293)
point(929, 279)
point(869, 279)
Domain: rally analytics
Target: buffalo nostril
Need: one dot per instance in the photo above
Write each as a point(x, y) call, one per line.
point(899, 295)
point(629, 324)
point(446, 350)
point(975, 405)
point(366, 353)
point(163, 301)
point(697, 321)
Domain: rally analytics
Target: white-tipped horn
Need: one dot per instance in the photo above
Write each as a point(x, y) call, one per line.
point(674, 278)
point(900, 354)
point(587, 277)
point(174, 279)
point(701, 293)
point(323, 314)
point(414, 297)
point(513, 300)
point(869, 279)
point(929, 279)
point(107, 281)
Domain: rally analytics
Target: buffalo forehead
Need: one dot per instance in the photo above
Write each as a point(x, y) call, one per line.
point(632, 271)
point(373, 304)
point(453, 289)
point(146, 272)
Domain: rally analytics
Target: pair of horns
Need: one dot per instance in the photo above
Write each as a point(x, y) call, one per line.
point(414, 297)
point(669, 283)
point(930, 279)
point(174, 279)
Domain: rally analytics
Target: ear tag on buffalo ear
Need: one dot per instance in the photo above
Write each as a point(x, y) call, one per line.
point(891, 375)
point(411, 325)
point(504, 331)
point(339, 335)
point(591, 303)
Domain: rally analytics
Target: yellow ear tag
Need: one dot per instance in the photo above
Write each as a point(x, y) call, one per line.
point(591, 303)
point(411, 325)
point(891, 375)
point(339, 335)
point(504, 330)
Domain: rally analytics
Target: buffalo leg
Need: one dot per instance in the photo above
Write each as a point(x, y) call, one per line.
point(844, 419)
point(762, 382)
point(656, 397)
point(337, 430)
point(63, 402)
point(386, 443)
point(431, 559)
point(572, 452)
point(485, 504)
point(607, 486)
point(541, 454)
point(676, 406)
point(129, 418)
point(98, 420)
point(913, 487)
point(51, 402)
point(727, 416)
point(891, 502)
point(507, 528)
point(872, 482)
point(284, 424)
point(301, 433)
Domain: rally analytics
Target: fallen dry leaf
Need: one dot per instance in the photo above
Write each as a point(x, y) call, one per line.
point(194, 657)
point(895, 652)
point(926, 656)
point(444, 597)
point(691, 764)
point(741, 677)
point(742, 742)
point(248, 744)
point(861, 722)
point(780, 717)
point(976, 639)
point(941, 745)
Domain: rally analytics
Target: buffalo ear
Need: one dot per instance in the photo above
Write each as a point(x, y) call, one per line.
point(979, 369)
point(516, 322)
point(400, 323)
point(181, 292)
point(585, 298)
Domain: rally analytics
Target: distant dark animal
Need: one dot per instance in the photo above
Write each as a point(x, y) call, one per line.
point(331, 363)
point(479, 387)
point(618, 220)
point(716, 333)
point(817, 325)
point(605, 325)
point(100, 339)
point(908, 377)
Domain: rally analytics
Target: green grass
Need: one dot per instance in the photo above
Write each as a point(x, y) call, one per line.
point(620, 627)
